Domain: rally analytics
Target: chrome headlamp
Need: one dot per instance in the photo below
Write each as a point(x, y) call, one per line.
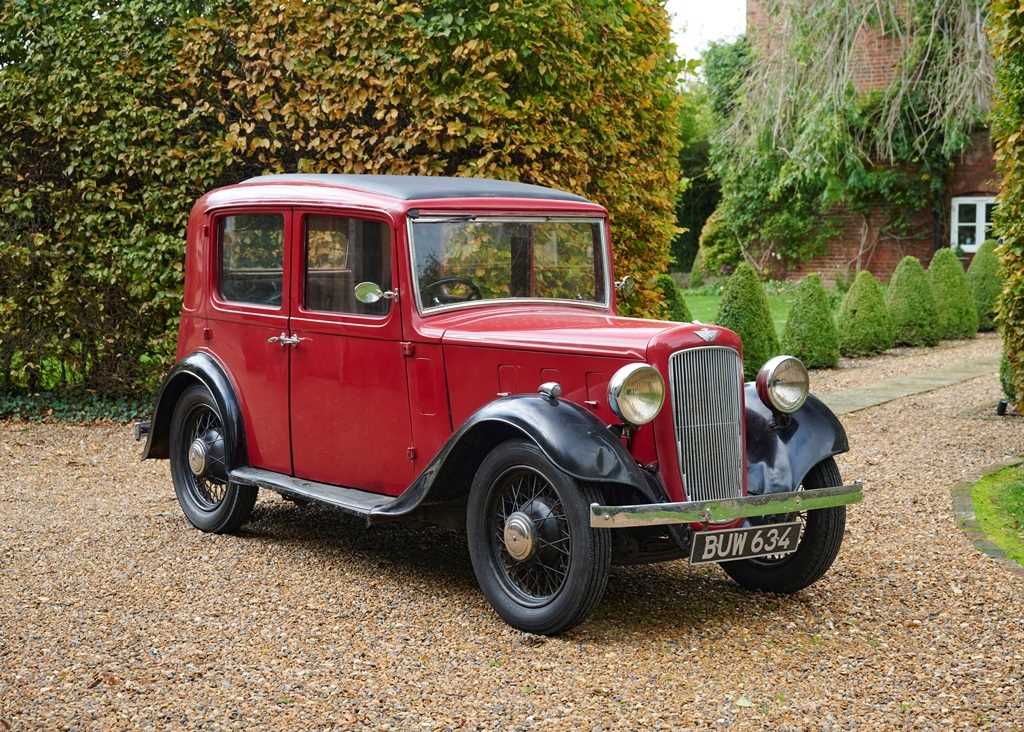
point(783, 384)
point(636, 393)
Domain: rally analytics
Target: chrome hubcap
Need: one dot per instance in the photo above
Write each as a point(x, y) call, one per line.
point(520, 536)
point(197, 457)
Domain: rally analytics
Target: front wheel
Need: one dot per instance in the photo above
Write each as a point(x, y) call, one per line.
point(820, 539)
point(538, 562)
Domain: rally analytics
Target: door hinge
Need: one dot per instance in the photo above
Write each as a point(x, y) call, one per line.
point(408, 349)
point(410, 452)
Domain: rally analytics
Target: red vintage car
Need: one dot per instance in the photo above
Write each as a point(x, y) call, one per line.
point(448, 350)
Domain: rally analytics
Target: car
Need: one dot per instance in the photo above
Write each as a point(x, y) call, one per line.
point(448, 350)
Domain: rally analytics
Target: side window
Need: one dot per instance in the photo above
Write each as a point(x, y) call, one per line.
point(251, 256)
point(340, 253)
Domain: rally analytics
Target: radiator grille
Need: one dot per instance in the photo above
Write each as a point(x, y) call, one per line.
point(705, 385)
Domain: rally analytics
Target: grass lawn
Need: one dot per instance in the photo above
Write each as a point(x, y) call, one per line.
point(999, 507)
point(705, 308)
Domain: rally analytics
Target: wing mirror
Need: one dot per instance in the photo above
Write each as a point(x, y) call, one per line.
point(626, 286)
point(369, 293)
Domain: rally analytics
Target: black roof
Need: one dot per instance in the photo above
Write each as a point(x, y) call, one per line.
point(415, 187)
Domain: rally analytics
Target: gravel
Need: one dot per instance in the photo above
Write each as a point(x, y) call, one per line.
point(116, 615)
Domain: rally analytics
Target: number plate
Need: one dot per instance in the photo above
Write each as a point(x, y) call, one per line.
point(755, 541)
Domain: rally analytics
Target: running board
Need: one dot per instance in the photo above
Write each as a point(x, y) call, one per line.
point(350, 500)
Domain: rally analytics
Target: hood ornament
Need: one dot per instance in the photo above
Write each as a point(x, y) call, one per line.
point(707, 334)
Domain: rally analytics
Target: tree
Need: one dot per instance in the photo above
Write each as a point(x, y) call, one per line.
point(911, 304)
point(867, 327)
point(744, 309)
point(810, 332)
point(954, 303)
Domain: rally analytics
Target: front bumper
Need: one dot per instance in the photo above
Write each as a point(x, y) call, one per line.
point(723, 510)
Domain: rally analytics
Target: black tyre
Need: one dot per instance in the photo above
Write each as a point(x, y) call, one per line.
point(538, 562)
point(820, 540)
point(208, 499)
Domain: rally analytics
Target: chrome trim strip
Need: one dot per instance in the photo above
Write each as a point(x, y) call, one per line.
point(588, 218)
point(722, 510)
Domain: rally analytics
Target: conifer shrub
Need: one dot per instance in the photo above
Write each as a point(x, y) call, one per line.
point(810, 332)
point(697, 273)
point(912, 305)
point(954, 303)
point(744, 309)
point(1006, 379)
point(674, 301)
point(985, 283)
point(865, 326)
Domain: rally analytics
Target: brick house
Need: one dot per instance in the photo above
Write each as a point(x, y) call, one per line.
point(970, 186)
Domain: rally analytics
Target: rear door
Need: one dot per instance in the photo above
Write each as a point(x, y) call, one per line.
point(248, 313)
point(349, 396)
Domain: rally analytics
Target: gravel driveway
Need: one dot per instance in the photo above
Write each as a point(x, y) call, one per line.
point(115, 614)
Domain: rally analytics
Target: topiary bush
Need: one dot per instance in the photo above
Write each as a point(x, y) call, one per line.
point(912, 305)
point(865, 324)
point(674, 300)
point(1007, 380)
point(985, 282)
point(116, 116)
point(744, 309)
point(697, 273)
point(954, 303)
point(810, 332)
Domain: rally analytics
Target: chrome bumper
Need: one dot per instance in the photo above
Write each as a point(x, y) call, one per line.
point(723, 510)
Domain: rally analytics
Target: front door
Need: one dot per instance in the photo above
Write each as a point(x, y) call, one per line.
point(248, 313)
point(349, 398)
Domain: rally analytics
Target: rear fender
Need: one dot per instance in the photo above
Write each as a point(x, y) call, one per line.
point(780, 452)
point(197, 368)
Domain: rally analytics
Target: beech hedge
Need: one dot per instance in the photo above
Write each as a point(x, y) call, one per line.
point(117, 116)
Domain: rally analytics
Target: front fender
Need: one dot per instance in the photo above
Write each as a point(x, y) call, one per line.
point(197, 368)
point(573, 439)
point(779, 456)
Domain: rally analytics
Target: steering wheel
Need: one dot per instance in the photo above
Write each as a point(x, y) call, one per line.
point(444, 297)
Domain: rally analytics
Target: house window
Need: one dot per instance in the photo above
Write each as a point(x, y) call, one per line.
point(972, 221)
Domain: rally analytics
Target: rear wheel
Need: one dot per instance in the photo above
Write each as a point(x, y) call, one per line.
point(820, 539)
point(538, 562)
point(208, 499)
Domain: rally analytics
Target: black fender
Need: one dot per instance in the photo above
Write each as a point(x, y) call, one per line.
point(572, 438)
point(780, 452)
point(197, 368)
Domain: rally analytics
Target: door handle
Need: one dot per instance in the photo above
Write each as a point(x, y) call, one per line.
point(286, 340)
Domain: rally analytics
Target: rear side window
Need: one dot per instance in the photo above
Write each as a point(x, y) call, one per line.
point(251, 256)
point(340, 253)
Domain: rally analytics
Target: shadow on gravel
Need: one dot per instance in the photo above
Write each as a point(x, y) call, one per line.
point(669, 599)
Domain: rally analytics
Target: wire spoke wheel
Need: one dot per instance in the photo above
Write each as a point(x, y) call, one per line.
point(205, 472)
point(530, 538)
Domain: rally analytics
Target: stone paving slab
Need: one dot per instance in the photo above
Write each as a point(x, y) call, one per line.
point(853, 400)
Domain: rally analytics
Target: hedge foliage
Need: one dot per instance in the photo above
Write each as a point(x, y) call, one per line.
point(810, 332)
point(1006, 28)
point(986, 282)
point(674, 300)
point(954, 302)
point(912, 306)
point(117, 116)
point(744, 309)
point(1006, 379)
point(865, 326)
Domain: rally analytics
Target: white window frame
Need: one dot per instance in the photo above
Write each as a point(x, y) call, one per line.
point(980, 202)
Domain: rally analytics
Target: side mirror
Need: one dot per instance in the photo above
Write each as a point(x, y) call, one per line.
point(626, 286)
point(368, 293)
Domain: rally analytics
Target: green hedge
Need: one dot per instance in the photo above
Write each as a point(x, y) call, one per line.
point(985, 281)
point(1006, 28)
point(1007, 380)
point(675, 303)
point(116, 116)
point(911, 304)
point(744, 309)
point(865, 326)
point(954, 302)
point(810, 332)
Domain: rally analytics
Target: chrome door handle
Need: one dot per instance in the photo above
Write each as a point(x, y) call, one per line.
point(282, 339)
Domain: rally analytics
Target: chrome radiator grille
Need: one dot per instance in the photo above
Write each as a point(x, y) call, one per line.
point(705, 386)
